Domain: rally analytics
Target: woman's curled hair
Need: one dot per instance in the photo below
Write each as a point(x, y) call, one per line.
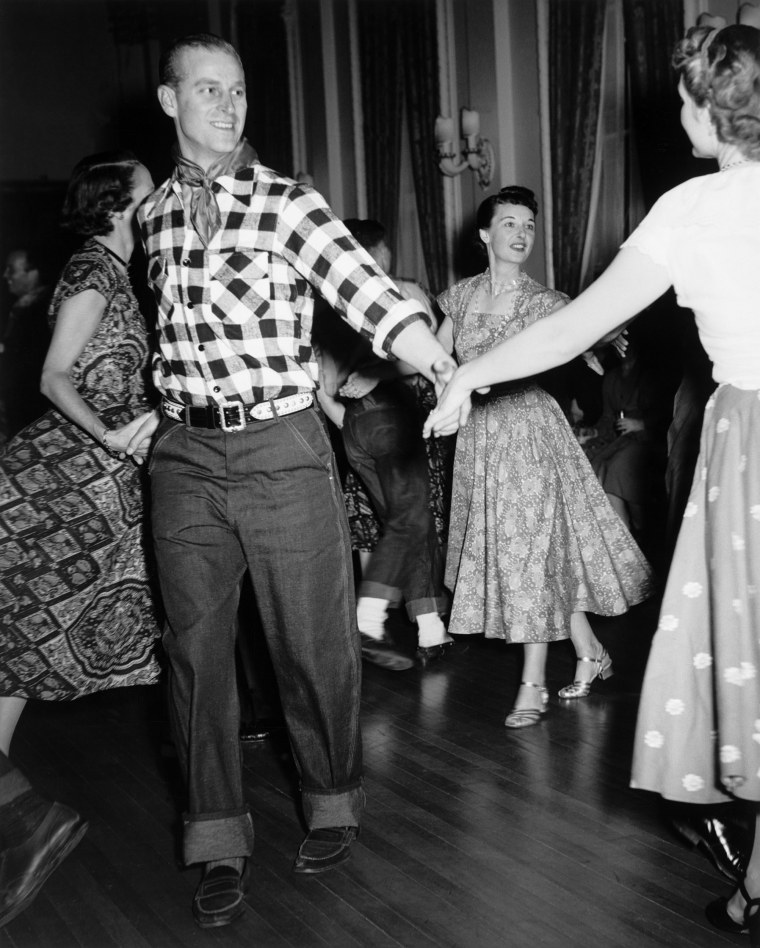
point(512, 194)
point(100, 185)
point(721, 69)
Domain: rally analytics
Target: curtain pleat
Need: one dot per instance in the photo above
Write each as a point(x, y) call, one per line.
point(652, 28)
point(382, 90)
point(420, 57)
point(575, 63)
point(399, 65)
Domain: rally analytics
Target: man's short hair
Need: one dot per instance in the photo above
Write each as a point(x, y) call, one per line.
point(168, 65)
point(368, 233)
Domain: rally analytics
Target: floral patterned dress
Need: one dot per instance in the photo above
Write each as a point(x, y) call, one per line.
point(76, 610)
point(532, 536)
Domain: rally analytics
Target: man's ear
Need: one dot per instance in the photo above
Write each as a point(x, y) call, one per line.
point(167, 98)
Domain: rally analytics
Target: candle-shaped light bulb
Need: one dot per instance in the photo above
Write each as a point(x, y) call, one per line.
point(444, 129)
point(470, 122)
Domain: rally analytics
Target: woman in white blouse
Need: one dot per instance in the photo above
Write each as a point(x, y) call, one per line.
point(698, 734)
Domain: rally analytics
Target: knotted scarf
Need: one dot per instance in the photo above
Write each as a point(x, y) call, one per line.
point(204, 210)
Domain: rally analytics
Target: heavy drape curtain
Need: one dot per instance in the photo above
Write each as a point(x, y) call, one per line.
point(141, 27)
point(652, 28)
point(399, 67)
point(575, 63)
point(263, 48)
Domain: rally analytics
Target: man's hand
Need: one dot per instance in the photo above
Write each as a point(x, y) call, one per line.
point(139, 444)
point(358, 385)
point(454, 405)
point(443, 371)
point(629, 425)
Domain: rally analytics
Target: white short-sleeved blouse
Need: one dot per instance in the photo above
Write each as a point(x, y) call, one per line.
point(706, 233)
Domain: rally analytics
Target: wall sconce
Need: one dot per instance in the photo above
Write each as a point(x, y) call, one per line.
point(477, 154)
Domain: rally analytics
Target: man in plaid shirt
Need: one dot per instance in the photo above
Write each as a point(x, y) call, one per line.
point(242, 474)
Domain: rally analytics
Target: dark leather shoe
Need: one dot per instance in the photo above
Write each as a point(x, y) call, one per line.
point(325, 848)
point(431, 653)
point(219, 898)
point(381, 652)
point(719, 842)
point(24, 869)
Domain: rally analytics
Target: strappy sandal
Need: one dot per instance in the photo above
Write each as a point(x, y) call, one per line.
point(717, 915)
point(580, 689)
point(527, 717)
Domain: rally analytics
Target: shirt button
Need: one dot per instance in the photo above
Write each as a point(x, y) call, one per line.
point(217, 389)
point(186, 262)
point(190, 305)
point(201, 347)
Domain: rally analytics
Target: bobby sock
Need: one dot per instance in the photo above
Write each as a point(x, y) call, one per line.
point(371, 614)
point(430, 630)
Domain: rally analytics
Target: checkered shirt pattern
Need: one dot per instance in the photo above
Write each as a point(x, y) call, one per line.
point(234, 321)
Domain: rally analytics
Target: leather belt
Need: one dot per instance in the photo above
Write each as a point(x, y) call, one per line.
point(234, 416)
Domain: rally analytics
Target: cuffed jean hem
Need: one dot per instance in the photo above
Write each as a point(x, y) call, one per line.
point(423, 607)
point(211, 836)
point(392, 594)
point(323, 808)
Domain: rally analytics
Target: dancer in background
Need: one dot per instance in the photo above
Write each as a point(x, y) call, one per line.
point(533, 542)
point(697, 735)
point(78, 616)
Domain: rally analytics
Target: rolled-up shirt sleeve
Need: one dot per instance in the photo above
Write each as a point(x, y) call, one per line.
point(319, 247)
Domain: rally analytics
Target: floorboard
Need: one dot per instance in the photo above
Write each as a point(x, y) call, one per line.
point(474, 836)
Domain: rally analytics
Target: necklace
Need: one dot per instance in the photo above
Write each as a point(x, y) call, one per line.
point(733, 164)
point(113, 253)
point(497, 288)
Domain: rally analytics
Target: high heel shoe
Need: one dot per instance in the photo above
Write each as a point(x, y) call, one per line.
point(579, 689)
point(526, 717)
point(717, 915)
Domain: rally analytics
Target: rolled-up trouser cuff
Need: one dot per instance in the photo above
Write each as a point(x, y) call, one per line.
point(210, 836)
point(322, 808)
point(423, 607)
point(372, 590)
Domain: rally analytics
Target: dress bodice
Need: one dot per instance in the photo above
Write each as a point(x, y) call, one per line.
point(111, 367)
point(477, 332)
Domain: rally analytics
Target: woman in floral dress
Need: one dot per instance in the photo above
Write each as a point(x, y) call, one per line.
point(533, 541)
point(76, 610)
point(698, 733)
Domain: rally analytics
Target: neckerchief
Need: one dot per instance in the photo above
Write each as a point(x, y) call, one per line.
point(204, 210)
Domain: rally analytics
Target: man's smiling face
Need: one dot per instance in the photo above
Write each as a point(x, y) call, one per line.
point(208, 105)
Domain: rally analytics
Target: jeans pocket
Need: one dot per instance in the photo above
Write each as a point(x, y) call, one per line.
point(162, 436)
point(313, 439)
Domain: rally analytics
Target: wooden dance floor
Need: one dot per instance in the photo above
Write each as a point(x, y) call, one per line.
point(474, 836)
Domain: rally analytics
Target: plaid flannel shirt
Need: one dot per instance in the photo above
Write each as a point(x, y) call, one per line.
point(234, 319)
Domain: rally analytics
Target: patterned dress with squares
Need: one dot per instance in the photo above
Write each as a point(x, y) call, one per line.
point(76, 605)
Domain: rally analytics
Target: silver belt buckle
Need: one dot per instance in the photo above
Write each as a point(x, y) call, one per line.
point(238, 423)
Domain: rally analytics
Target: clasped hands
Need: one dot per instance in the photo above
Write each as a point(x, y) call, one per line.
point(454, 405)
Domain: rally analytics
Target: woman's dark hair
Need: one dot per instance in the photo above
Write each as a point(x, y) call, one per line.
point(721, 69)
point(368, 233)
point(168, 65)
point(100, 185)
point(514, 194)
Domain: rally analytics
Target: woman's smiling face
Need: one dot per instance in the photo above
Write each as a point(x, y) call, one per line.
point(511, 233)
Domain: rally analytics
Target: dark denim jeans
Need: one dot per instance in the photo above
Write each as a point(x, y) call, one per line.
point(267, 500)
point(383, 440)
